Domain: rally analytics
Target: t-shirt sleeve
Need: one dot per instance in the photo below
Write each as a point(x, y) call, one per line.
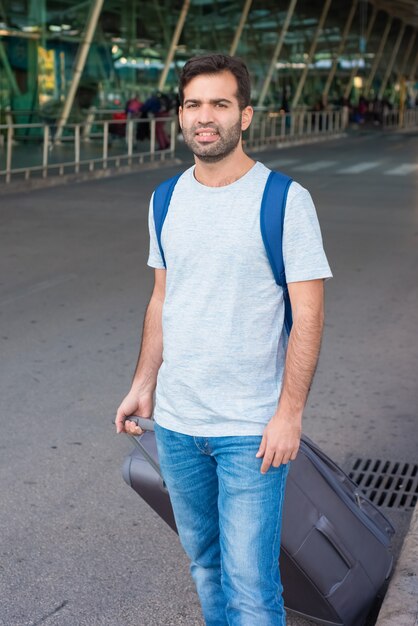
point(303, 251)
point(154, 258)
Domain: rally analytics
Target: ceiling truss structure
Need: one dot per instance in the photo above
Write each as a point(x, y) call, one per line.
point(145, 28)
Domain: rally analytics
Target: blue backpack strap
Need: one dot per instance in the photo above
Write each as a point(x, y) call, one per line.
point(272, 212)
point(162, 199)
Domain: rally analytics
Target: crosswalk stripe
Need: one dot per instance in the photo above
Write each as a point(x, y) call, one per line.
point(315, 166)
point(281, 162)
point(402, 170)
point(360, 167)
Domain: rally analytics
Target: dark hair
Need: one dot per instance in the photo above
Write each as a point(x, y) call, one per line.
point(214, 64)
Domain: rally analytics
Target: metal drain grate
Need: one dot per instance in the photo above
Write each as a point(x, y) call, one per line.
point(392, 484)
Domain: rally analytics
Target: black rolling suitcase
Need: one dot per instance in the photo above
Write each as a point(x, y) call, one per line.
point(335, 552)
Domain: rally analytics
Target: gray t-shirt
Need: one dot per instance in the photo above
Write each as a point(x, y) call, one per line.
point(223, 342)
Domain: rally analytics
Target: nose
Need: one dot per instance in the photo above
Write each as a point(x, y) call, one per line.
point(205, 114)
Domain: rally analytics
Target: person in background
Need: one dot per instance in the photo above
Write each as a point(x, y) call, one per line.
point(160, 125)
point(133, 106)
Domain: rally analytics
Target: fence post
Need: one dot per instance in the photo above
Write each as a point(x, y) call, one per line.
point(252, 126)
point(9, 122)
point(173, 128)
point(263, 130)
point(77, 147)
point(152, 139)
point(301, 121)
point(89, 123)
point(283, 125)
point(309, 123)
point(9, 153)
point(292, 124)
point(45, 152)
point(105, 143)
point(273, 135)
point(130, 140)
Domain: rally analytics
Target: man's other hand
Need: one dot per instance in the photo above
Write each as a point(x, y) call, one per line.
point(280, 442)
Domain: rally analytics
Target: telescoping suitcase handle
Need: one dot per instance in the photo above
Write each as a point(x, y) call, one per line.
point(145, 424)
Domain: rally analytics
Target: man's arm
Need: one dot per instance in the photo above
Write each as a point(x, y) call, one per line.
point(281, 437)
point(139, 400)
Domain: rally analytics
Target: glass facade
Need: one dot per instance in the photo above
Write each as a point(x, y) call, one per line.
point(330, 50)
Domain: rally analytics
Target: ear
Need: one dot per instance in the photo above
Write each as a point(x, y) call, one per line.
point(181, 117)
point(246, 117)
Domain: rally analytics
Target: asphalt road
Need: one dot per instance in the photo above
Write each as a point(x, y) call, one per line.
point(77, 546)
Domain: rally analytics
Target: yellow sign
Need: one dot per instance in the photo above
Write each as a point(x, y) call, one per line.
point(46, 74)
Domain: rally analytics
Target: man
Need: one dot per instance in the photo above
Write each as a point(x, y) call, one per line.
point(229, 399)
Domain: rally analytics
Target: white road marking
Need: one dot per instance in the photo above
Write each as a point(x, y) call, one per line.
point(41, 286)
point(402, 170)
point(360, 167)
point(280, 162)
point(315, 166)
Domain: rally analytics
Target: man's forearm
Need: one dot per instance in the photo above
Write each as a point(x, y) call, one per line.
point(151, 353)
point(301, 361)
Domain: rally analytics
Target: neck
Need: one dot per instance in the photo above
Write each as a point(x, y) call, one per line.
point(223, 172)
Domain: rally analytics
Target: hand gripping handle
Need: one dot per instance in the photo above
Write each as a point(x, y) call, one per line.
point(143, 422)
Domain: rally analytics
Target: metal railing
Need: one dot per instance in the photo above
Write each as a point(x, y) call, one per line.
point(113, 144)
point(269, 129)
point(29, 150)
point(399, 119)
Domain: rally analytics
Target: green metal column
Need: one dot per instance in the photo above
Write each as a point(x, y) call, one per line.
point(407, 54)
point(391, 62)
point(378, 56)
point(37, 17)
point(311, 53)
point(9, 72)
point(366, 38)
point(173, 45)
point(163, 22)
point(412, 73)
point(276, 52)
point(80, 61)
point(340, 48)
point(240, 28)
point(131, 37)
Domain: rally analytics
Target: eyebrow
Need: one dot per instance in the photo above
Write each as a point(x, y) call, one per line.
point(213, 101)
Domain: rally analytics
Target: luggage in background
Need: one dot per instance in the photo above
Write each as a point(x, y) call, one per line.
point(335, 550)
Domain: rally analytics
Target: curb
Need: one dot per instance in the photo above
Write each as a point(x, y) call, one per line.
point(56, 181)
point(400, 605)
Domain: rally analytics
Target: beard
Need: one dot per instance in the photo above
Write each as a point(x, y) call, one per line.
point(228, 140)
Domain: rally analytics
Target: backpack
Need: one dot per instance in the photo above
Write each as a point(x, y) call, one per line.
point(272, 212)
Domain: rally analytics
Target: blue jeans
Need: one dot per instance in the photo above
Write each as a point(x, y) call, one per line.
point(228, 516)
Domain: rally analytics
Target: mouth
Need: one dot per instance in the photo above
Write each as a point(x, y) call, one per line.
point(206, 135)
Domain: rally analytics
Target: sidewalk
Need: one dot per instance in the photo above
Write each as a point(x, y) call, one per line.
point(400, 606)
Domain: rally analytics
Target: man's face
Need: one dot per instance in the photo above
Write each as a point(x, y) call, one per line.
point(210, 117)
